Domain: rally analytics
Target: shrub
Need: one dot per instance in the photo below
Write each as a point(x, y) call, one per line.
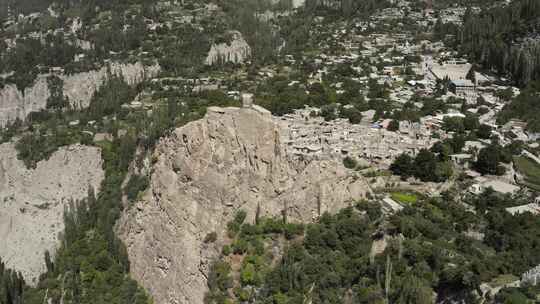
point(232, 229)
point(240, 217)
point(292, 230)
point(210, 237)
point(393, 125)
point(136, 184)
point(240, 246)
point(248, 274)
point(272, 226)
point(352, 114)
point(349, 162)
point(226, 250)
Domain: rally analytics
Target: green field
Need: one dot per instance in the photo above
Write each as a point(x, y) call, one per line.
point(530, 169)
point(404, 197)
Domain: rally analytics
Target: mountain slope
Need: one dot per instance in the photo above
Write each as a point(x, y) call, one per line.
point(204, 172)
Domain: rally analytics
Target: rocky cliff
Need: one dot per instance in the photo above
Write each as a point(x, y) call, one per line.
point(235, 51)
point(16, 104)
point(78, 88)
point(32, 202)
point(203, 173)
point(298, 3)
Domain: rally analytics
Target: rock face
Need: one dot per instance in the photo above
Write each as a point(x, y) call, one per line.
point(204, 172)
point(32, 202)
point(298, 3)
point(14, 104)
point(78, 88)
point(236, 51)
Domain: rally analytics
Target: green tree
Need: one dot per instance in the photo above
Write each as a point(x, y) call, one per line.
point(350, 163)
point(415, 291)
point(425, 165)
point(135, 185)
point(443, 171)
point(393, 125)
point(471, 122)
point(352, 114)
point(454, 124)
point(56, 100)
point(403, 166)
point(219, 281)
point(488, 161)
point(329, 112)
point(248, 274)
point(484, 131)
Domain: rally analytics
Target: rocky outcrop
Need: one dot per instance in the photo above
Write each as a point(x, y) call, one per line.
point(203, 173)
point(32, 202)
point(78, 88)
point(16, 104)
point(298, 3)
point(235, 51)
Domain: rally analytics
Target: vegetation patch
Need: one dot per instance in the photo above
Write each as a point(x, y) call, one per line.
point(333, 255)
point(503, 280)
point(135, 185)
point(530, 169)
point(404, 197)
point(249, 255)
point(349, 162)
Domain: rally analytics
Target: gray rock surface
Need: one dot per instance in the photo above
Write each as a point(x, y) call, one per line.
point(298, 3)
point(32, 202)
point(16, 104)
point(78, 88)
point(236, 51)
point(203, 173)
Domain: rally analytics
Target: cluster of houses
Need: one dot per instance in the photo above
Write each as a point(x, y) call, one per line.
point(309, 135)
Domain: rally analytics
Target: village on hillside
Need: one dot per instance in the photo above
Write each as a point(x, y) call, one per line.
point(392, 96)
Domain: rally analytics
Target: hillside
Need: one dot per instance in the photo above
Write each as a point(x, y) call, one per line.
point(32, 218)
point(204, 172)
point(269, 151)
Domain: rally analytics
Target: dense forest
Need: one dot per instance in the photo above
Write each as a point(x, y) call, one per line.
point(428, 251)
point(503, 39)
point(11, 286)
point(345, 8)
point(22, 6)
point(526, 106)
point(31, 55)
point(261, 35)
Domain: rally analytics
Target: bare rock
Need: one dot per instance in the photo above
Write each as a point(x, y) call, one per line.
point(298, 3)
point(78, 88)
point(235, 51)
point(32, 202)
point(203, 173)
point(16, 104)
